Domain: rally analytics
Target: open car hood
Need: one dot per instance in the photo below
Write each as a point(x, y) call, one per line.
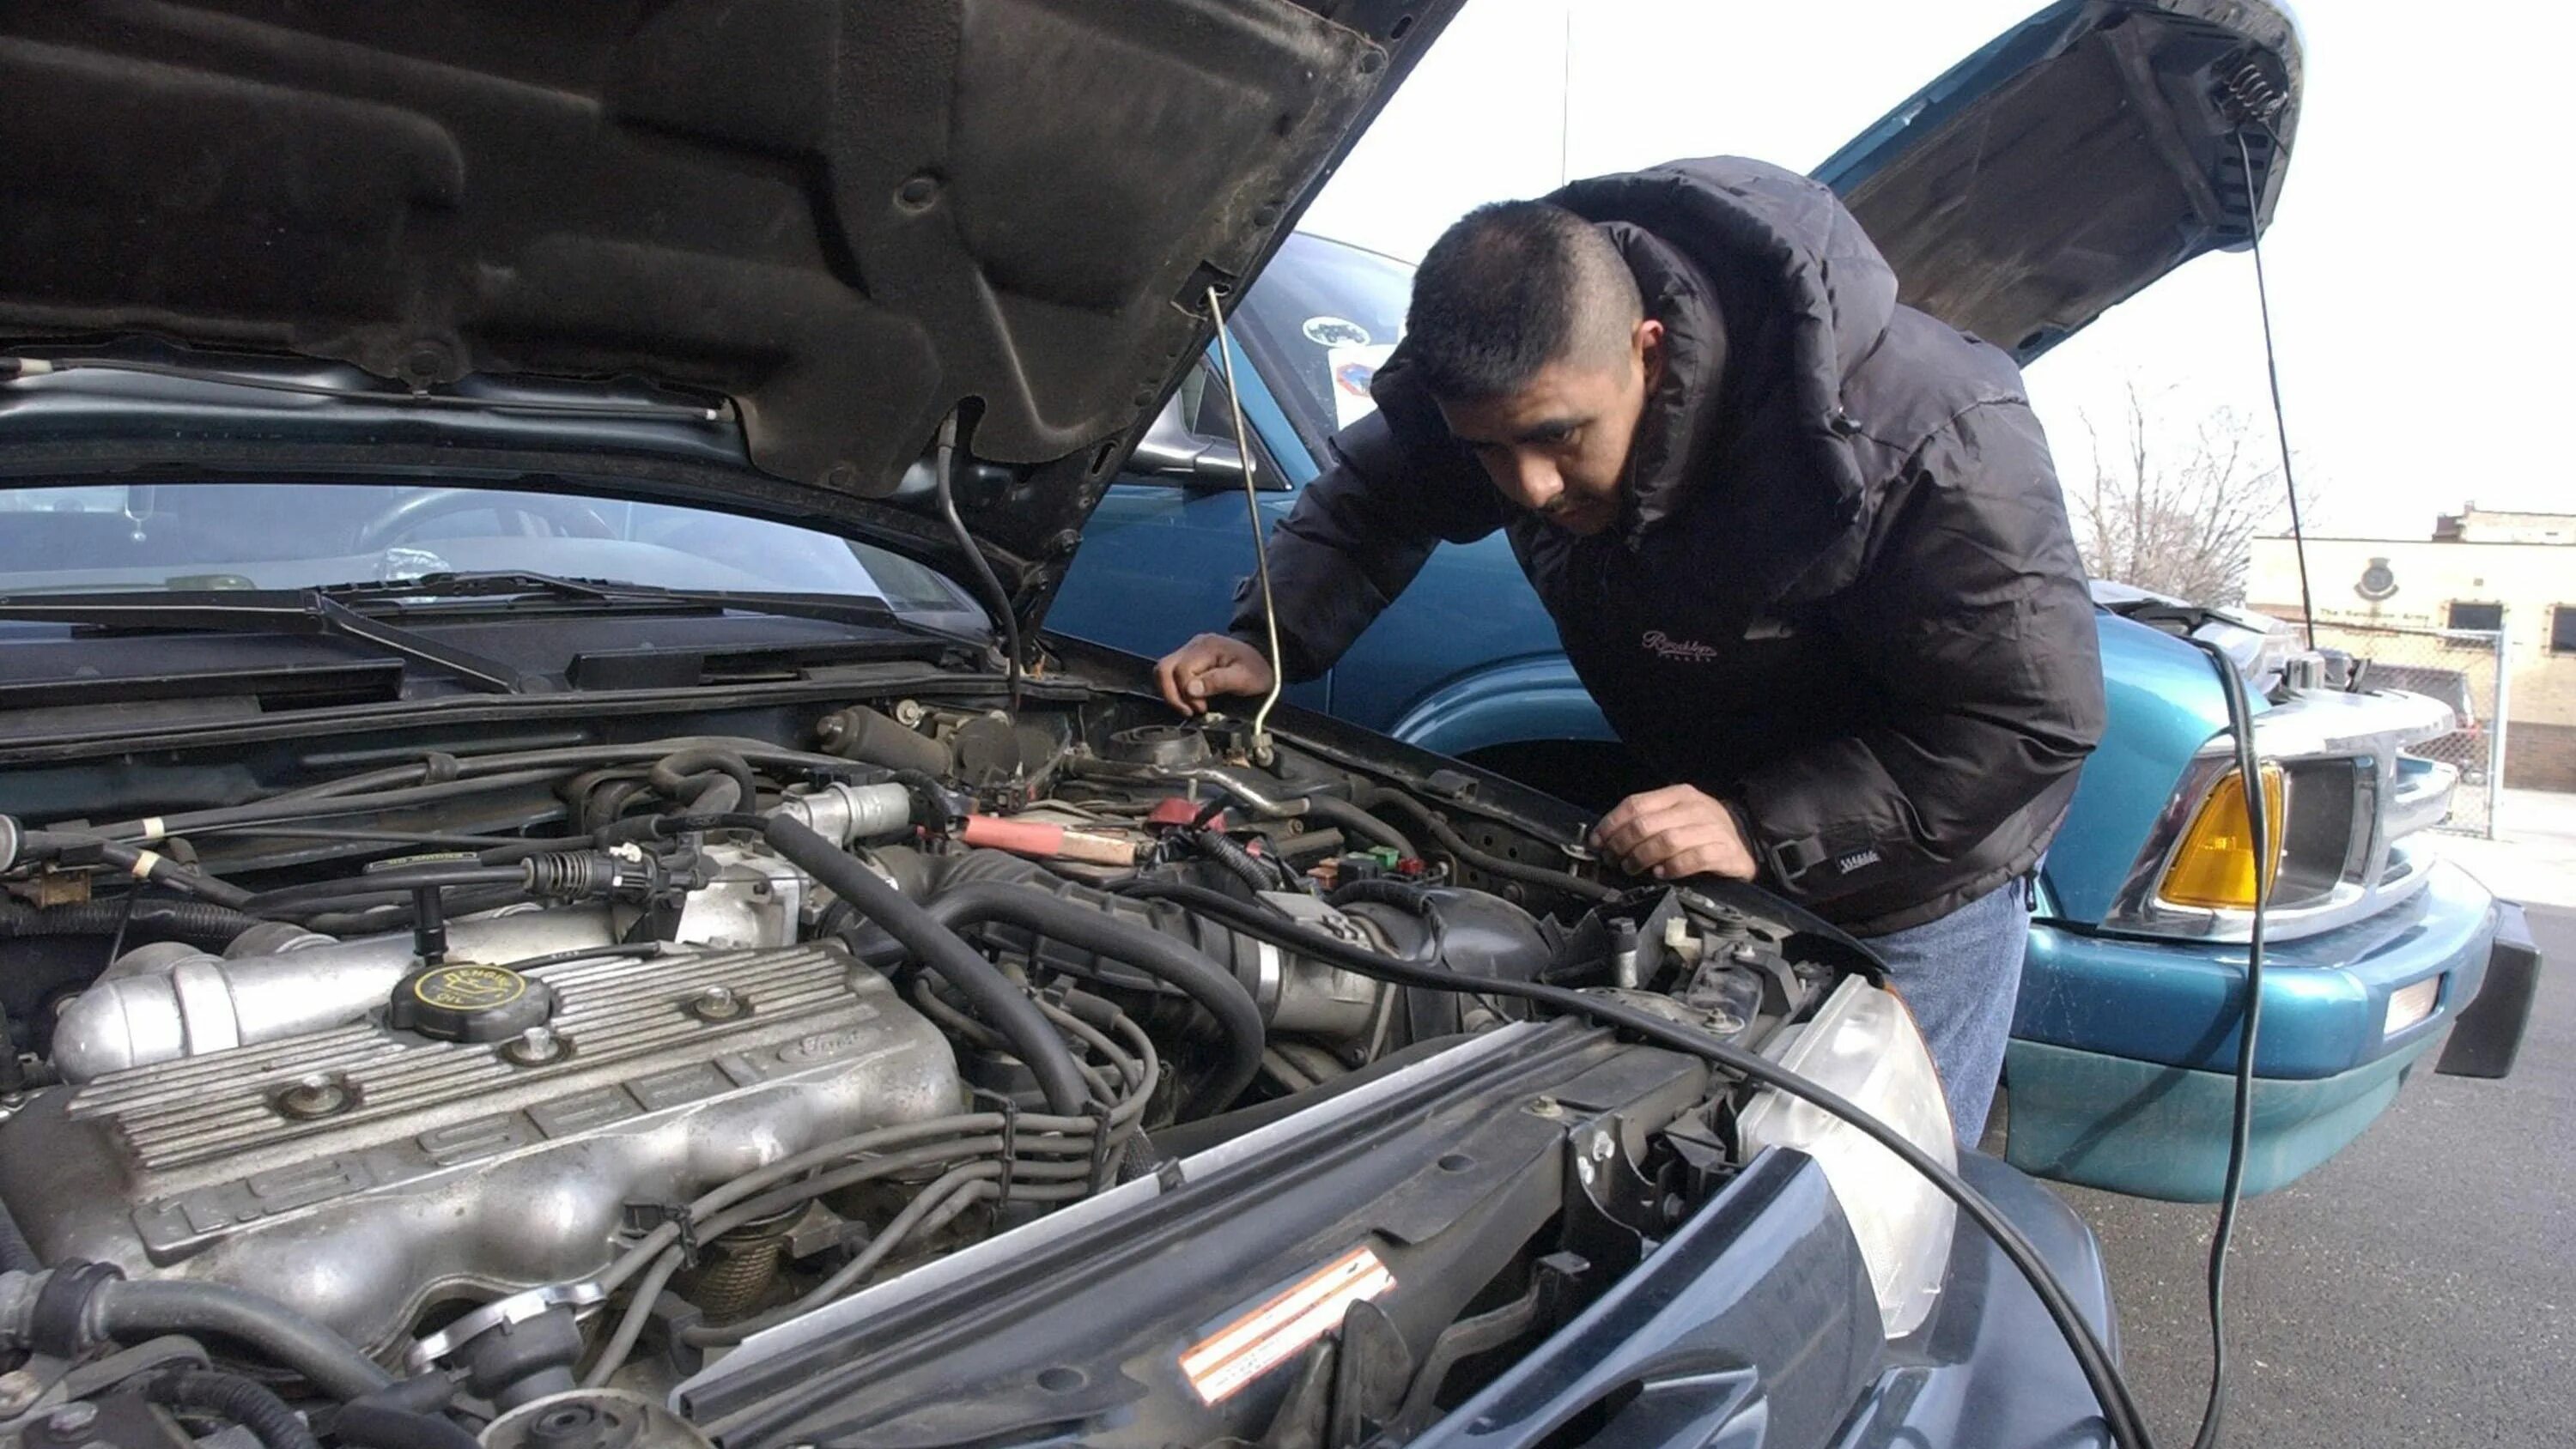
point(853, 218)
point(2079, 157)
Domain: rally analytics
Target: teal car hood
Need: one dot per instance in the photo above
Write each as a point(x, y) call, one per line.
point(2077, 158)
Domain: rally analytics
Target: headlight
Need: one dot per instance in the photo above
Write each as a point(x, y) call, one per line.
point(2214, 865)
point(1862, 1045)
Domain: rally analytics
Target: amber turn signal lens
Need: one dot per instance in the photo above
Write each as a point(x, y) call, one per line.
point(2214, 867)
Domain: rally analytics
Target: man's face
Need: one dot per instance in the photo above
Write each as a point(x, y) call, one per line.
point(1559, 447)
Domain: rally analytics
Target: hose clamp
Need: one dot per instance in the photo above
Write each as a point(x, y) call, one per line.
point(62, 1325)
point(427, 1353)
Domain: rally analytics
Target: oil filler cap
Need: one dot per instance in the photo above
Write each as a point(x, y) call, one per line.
point(470, 1003)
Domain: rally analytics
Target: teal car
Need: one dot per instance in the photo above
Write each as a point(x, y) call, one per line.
point(2126, 162)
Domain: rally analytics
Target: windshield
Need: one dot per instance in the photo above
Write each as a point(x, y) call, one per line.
point(1323, 316)
point(303, 535)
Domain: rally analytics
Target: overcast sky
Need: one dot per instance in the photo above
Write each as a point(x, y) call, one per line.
point(2420, 275)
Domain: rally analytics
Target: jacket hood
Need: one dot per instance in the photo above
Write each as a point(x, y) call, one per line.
point(1770, 294)
point(850, 218)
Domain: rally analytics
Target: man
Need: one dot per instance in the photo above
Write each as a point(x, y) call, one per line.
point(1803, 544)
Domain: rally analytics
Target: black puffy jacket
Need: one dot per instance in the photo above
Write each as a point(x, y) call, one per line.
point(1844, 596)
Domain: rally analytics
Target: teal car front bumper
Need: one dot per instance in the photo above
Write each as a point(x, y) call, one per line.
point(2121, 1070)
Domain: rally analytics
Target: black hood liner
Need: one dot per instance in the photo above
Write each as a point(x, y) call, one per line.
point(849, 216)
point(2078, 158)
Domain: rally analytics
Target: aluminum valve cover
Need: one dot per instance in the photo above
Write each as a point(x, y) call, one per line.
point(363, 1175)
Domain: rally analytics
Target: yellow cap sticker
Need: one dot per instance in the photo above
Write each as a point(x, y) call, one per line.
point(469, 988)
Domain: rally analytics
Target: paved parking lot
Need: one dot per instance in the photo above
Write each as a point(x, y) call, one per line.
point(2418, 1290)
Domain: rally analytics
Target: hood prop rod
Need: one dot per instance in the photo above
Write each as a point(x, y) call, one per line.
point(994, 595)
point(1260, 544)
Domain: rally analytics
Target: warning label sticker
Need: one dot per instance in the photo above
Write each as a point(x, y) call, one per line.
point(1280, 1329)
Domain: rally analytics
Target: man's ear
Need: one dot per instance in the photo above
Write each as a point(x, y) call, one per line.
point(1648, 344)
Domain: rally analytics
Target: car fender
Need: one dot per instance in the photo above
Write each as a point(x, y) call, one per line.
point(1536, 697)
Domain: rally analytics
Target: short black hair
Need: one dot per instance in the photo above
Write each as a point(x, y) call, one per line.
point(1510, 288)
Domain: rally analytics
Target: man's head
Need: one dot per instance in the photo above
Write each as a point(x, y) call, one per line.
point(1527, 329)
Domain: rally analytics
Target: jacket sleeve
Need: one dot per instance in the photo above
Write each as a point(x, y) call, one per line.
point(1358, 535)
point(1973, 626)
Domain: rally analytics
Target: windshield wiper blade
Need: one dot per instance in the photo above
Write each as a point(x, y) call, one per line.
point(858, 609)
point(18, 367)
point(307, 611)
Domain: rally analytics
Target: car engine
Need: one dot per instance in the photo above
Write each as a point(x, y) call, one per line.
point(516, 1070)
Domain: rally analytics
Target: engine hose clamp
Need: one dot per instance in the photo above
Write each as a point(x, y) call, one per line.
point(1100, 1153)
point(61, 1324)
point(1010, 1110)
point(426, 1354)
point(644, 1217)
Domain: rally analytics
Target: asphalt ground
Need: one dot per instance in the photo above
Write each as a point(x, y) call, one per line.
point(2420, 1289)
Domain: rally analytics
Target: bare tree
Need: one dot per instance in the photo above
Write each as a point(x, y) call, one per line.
point(2176, 509)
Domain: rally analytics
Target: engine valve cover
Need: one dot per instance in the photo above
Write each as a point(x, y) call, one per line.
point(362, 1174)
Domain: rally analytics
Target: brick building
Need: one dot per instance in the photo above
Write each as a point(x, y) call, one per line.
point(2480, 570)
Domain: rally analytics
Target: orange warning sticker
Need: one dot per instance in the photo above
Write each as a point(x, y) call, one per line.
point(1280, 1329)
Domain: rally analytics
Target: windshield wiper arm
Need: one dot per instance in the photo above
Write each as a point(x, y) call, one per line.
point(307, 611)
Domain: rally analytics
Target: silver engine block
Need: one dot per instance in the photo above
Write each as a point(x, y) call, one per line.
point(363, 1175)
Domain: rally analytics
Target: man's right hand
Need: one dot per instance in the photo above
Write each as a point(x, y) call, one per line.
point(1211, 664)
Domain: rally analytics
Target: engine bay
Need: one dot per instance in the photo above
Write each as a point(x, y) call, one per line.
point(452, 1077)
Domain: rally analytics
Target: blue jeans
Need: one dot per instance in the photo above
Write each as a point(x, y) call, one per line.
point(1960, 975)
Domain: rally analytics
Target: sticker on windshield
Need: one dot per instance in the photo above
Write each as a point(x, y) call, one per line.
point(1280, 1329)
point(1354, 368)
point(1336, 332)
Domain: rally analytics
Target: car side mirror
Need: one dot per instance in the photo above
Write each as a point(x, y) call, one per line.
point(1170, 450)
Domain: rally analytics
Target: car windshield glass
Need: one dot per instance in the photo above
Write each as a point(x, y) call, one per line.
point(304, 535)
point(1319, 321)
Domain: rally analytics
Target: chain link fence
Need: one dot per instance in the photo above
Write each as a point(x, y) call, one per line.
point(2463, 668)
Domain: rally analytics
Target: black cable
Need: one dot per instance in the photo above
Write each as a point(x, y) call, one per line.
point(638, 949)
point(1359, 822)
point(400, 881)
point(2240, 721)
point(2119, 1410)
point(994, 595)
point(310, 807)
point(1493, 865)
point(151, 865)
point(2272, 366)
point(377, 837)
point(230, 1396)
point(148, 1307)
point(995, 996)
point(1222, 851)
point(199, 923)
point(683, 777)
point(1034, 909)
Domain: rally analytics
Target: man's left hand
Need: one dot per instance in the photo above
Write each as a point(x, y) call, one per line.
point(1674, 832)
